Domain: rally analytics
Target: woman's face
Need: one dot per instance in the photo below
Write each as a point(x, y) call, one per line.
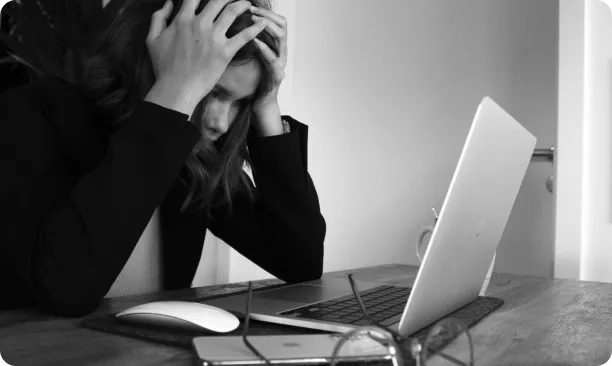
point(236, 86)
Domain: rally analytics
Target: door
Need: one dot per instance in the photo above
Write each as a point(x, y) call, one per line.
point(527, 246)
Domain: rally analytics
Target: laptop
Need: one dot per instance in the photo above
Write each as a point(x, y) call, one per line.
point(486, 181)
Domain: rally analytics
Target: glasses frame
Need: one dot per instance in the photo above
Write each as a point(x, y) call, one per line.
point(378, 332)
point(245, 330)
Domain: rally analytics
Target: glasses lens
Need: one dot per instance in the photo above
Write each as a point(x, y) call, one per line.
point(370, 341)
point(448, 343)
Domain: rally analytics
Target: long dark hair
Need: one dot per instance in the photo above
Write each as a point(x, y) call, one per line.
point(118, 74)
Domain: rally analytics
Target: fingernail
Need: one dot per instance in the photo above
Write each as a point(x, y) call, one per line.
point(253, 9)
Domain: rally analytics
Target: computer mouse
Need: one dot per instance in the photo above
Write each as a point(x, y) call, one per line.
point(181, 314)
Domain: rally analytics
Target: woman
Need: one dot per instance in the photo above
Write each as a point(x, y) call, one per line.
point(176, 99)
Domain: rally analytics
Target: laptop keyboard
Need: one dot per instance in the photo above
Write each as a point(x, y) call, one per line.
point(385, 304)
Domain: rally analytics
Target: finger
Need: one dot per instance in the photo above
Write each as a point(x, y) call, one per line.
point(246, 35)
point(266, 51)
point(277, 32)
point(212, 9)
point(276, 18)
point(159, 19)
point(229, 15)
point(188, 9)
point(272, 27)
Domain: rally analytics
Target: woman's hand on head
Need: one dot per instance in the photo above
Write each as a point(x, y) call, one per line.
point(276, 26)
point(190, 55)
point(266, 109)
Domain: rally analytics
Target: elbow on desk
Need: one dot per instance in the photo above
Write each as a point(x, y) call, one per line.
point(308, 263)
point(69, 302)
point(67, 296)
point(310, 273)
point(306, 269)
point(72, 308)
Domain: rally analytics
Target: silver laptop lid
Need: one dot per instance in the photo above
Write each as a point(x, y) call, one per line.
point(473, 217)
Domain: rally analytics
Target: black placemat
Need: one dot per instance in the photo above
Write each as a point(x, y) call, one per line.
point(470, 314)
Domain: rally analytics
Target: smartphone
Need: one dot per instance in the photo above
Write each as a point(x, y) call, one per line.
point(300, 349)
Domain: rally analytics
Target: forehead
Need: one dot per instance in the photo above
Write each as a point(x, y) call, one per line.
point(241, 80)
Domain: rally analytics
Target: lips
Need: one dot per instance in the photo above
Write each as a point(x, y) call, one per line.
point(211, 135)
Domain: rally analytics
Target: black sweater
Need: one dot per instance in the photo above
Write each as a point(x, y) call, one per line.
point(74, 200)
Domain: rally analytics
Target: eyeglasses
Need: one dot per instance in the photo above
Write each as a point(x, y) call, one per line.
point(245, 331)
point(420, 347)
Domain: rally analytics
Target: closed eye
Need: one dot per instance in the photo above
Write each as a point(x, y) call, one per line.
point(221, 93)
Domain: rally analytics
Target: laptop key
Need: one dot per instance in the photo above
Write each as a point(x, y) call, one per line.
point(350, 318)
point(380, 319)
point(388, 313)
point(329, 317)
point(392, 320)
point(343, 312)
point(377, 307)
point(327, 303)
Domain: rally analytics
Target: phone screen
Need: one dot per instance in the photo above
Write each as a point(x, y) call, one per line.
point(311, 348)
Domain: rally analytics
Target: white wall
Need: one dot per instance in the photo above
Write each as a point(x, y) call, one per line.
point(389, 90)
point(584, 216)
point(570, 137)
point(597, 159)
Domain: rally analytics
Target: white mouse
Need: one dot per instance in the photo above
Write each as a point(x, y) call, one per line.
point(182, 314)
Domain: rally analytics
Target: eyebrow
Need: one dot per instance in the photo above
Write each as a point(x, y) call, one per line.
point(227, 93)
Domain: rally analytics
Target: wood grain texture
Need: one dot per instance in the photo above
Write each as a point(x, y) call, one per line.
point(542, 322)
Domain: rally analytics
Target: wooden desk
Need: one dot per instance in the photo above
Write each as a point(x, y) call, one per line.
point(543, 322)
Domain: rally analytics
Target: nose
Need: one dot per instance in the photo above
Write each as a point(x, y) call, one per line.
point(219, 118)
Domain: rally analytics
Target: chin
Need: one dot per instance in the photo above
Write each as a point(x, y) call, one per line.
point(207, 135)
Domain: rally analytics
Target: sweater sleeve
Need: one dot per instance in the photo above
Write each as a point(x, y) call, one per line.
point(63, 238)
point(283, 230)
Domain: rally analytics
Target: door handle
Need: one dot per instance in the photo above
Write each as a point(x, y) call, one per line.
point(550, 155)
point(550, 184)
point(546, 153)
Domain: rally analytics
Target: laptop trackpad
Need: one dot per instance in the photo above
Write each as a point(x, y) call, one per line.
point(301, 293)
